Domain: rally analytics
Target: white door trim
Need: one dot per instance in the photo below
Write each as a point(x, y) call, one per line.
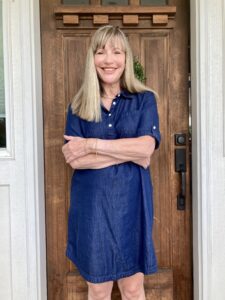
point(208, 140)
point(34, 154)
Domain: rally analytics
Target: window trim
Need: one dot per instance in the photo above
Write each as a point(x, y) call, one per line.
point(8, 152)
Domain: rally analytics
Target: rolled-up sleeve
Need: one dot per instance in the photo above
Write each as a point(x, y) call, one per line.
point(73, 126)
point(149, 119)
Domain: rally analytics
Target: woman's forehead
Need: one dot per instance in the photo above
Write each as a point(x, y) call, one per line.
point(114, 42)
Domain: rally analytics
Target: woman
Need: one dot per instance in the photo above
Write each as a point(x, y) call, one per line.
point(111, 132)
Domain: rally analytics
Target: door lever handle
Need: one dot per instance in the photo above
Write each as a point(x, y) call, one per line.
point(180, 167)
point(183, 184)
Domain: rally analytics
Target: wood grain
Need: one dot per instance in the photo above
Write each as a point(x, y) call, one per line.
point(160, 19)
point(100, 19)
point(134, 2)
point(97, 9)
point(70, 19)
point(130, 19)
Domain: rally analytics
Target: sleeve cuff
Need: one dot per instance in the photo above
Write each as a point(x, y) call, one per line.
point(153, 132)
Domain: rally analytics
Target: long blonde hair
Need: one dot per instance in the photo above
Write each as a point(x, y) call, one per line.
point(87, 102)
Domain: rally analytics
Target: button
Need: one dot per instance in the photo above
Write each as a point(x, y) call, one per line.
point(110, 125)
point(118, 95)
point(109, 115)
point(114, 103)
point(154, 127)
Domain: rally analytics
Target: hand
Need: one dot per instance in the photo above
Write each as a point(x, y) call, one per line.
point(144, 162)
point(76, 147)
point(74, 163)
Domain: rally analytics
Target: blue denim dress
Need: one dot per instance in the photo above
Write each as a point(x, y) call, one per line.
point(111, 209)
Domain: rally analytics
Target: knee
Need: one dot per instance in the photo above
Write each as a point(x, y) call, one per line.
point(99, 291)
point(132, 291)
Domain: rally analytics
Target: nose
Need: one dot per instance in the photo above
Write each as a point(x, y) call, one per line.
point(108, 58)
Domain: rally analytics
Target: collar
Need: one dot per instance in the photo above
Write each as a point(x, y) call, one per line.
point(125, 94)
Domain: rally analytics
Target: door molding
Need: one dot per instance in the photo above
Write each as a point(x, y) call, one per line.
point(158, 16)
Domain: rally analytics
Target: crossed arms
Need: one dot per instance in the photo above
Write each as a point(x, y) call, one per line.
point(91, 153)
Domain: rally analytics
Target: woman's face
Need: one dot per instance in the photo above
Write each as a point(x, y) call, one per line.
point(110, 63)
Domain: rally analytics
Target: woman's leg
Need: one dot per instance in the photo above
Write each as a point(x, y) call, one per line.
point(100, 291)
point(132, 287)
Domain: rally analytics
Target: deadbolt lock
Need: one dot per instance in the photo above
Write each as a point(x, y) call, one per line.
point(180, 139)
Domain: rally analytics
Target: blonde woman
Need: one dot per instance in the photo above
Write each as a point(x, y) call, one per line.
point(111, 132)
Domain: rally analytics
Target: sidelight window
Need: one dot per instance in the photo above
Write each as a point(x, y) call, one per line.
point(2, 88)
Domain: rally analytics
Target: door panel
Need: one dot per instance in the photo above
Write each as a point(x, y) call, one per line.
point(163, 51)
point(155, 55)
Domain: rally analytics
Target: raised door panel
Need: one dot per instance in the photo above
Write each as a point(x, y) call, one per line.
point(155, 56)
point(75, 49)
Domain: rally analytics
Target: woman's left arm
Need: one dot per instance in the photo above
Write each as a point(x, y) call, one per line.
point(128, 149)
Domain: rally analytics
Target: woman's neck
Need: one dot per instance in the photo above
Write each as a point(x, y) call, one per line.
point(110, 91)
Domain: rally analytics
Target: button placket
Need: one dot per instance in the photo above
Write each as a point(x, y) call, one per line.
point(110, 125)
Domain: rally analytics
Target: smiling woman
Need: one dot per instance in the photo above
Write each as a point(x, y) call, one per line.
point(111, 206)
point(2, 89)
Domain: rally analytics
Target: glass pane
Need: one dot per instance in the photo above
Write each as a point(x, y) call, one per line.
point(153, 2)
point(114, 2)
point(76, 2)
point(2, 89)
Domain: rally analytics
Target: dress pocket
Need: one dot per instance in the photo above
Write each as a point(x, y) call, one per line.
point(127, 125)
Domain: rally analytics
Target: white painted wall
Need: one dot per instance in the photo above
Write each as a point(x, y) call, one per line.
point(22, 220)
point(208, 99)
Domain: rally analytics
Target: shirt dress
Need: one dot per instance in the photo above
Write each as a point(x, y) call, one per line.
point(111, 209)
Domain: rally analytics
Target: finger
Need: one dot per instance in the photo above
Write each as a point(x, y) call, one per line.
point(69, 160)
point(64, 148)
point(68, 137)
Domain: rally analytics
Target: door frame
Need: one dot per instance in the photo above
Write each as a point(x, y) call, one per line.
point(208, 146)
point(201, 63)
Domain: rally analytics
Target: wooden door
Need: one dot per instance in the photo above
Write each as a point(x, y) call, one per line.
point(159, 38)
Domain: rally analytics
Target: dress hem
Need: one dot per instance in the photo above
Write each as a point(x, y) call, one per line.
point(104, 278)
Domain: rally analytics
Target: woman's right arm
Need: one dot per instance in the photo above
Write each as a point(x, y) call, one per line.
point(93, 161)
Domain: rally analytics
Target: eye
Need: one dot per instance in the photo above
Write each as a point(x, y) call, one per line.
point(118, 51)
point(100, 51)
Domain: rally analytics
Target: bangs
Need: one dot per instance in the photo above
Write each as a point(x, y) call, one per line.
point(112, 35)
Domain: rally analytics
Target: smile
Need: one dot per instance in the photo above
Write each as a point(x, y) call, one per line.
point(109, 69)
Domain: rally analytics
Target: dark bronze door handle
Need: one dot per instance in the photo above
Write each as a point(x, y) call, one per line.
point(180, 167)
